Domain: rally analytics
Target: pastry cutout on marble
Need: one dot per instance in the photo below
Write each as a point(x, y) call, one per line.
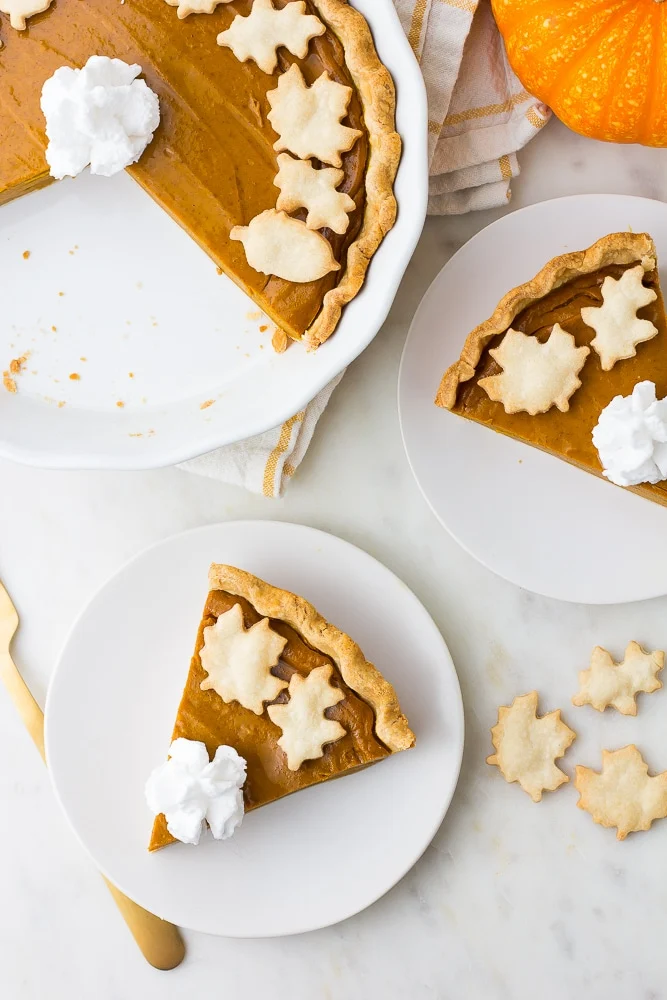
point(535, 376)
point(308, 119)
point(305, 728)
point(238, 661)
point(527, 746)
point(187, 7)
point(607, 684)
point(302, 186)
point(617, 327)
point(622, 794)
point(276, 244)
point(19, 10)
point(266, 29)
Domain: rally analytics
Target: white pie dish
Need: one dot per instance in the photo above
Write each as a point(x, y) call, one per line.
point(161, 332)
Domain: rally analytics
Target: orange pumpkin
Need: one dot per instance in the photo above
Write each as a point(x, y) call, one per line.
point(601, 65)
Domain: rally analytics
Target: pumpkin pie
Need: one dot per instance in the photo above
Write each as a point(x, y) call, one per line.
point(213, 162)
point(287, 690)
point(557, 349)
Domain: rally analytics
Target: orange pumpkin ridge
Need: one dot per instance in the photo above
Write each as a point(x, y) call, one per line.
point(602, 68)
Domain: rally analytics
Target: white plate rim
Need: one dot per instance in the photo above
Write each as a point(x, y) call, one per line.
point(657, 590)
point(457, 714)
point(158, 453)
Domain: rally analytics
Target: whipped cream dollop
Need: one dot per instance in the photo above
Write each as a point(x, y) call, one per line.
point(631, 437)
point(99, 115)
point(189, 789)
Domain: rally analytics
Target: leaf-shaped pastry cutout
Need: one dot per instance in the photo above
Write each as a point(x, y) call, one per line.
point(276, 244)
point(606, 683)
point(617, 327)
point(307, 119)
point(623, 794)
point(187, 7)
point(535, 376)
point(302, 186)
point(527, 746)
point(259, 35)
point(306, 730)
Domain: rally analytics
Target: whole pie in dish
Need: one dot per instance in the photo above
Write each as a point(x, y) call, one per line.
point(214, 159)
point(289, 692)
point(558, 349)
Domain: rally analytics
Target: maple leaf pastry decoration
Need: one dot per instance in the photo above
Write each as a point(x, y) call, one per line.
point(266, 29)
point(527, 746)
point(622, 794)
point(535, 376)
point(238, 661)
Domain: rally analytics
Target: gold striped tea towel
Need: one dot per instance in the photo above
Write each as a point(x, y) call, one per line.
point(479, 114)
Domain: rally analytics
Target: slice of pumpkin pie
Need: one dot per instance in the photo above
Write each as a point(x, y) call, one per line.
point(574, 362)
point(273, 684)
point(240, 86)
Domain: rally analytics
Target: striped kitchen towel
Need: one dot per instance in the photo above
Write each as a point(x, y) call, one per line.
point(479, 114)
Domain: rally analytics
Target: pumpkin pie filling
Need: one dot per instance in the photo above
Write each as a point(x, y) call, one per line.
point(203, 716)
point(569, 434)
point(211, 164)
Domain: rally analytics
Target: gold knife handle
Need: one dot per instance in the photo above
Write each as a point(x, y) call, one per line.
point(159, 941)
point(27, 707)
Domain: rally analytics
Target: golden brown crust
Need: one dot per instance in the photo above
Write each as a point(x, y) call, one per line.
point(378, 98)
point(617, 248)
point(391, 726)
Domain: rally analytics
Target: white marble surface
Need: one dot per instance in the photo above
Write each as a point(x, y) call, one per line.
point(512, 899)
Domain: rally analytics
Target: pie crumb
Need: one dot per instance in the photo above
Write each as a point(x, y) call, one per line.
point(130, 374)
point(75, 377)
point(263, 328)
point(279, 340)
point(120, 404)
point(54, 329)
point(26, 254)
point(206, 404)
point(17, 365)
point(219, 270)
point(83, 359)
point(61, 403)
point(61, 294)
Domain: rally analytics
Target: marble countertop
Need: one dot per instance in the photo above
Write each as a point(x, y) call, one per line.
point(512, 898)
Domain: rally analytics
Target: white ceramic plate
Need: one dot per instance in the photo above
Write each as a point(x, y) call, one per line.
point(338, 846)
point(141, 297)
point(530, 517)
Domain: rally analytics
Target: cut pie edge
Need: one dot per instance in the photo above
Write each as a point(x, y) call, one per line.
point(378, 99)
point(391, 726)
point(616, 248)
